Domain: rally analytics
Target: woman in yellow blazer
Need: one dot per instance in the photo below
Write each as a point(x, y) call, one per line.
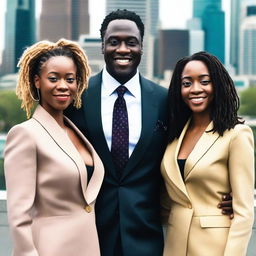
point(211, 153)
point(53, 174)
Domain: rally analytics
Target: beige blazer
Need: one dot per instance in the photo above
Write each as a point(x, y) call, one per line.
point(217, 165)
point(50, 207)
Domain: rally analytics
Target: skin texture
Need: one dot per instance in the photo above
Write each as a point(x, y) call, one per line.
point(122, 49)
point(57, 84)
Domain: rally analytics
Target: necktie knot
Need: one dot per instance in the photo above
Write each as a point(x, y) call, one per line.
point(121, 90)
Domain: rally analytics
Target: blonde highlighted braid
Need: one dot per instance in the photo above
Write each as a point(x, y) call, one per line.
point(32, 60)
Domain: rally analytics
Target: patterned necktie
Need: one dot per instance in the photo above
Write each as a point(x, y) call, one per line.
point(120, 131)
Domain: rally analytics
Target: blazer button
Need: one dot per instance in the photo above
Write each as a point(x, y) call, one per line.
point(88, 208)
point(190, 206)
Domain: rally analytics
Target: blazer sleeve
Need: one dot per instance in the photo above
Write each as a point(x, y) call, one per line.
point(241, 172)
point(165, 202)
point(20, 173)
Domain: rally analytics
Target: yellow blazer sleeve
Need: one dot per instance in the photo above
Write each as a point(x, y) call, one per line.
point(241, 173)
point(20, 173)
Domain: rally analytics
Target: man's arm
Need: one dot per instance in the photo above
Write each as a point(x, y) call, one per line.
point(226, 205)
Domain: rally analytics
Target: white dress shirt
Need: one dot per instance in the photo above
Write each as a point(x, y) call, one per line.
point(133, 104)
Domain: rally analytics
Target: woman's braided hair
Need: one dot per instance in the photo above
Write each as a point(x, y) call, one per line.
point(32, 60)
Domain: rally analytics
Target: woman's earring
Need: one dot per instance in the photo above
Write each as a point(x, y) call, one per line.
point(38, 95)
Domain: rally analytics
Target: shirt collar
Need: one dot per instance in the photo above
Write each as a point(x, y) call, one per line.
point(109, 84)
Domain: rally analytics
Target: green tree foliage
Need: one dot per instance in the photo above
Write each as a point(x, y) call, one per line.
point(248, 102)
point(10, 111)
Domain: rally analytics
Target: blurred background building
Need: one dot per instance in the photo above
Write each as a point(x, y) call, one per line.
point(63, 18)
point(20, 23)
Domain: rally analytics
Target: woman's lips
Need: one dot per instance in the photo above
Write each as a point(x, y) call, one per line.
point(62, 97)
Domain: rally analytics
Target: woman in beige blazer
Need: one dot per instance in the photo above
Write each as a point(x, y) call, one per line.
point(211, 153)
point(53, 174)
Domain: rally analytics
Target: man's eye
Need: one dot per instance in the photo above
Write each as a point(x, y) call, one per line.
point(70, 80)
point(205, 82)
point(113, 42)
point(132, 43)
point(52, 79)
point(186, 83)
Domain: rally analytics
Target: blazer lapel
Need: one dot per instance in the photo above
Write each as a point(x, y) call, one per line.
point(201, 148)
point(171, 165)
point(62, 140)
point(91, 191)
point(149, 119)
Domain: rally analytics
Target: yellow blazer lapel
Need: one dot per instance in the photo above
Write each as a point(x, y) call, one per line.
point(171, 165)
point(202, 146)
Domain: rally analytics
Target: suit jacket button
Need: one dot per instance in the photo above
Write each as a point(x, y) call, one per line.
point(88, 208)
point(190, 206)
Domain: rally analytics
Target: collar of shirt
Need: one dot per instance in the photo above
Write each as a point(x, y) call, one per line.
point(109, 84)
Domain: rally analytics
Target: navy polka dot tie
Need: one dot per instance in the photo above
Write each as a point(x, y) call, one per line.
point(120, 131)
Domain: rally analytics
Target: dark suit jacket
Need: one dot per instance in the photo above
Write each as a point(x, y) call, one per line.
point(128, 207)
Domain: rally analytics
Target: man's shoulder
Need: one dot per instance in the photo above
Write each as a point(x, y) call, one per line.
point(153, 85)
point(97, 78)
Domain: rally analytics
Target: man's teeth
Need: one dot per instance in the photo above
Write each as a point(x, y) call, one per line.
point(122, 60)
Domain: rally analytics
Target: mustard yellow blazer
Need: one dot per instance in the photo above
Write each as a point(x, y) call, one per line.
point(50, 206)
point(217, 165)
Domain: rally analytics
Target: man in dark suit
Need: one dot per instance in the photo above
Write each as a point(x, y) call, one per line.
point(127, 207)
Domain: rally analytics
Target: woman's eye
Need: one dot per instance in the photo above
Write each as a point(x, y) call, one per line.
point(186, 83)
point(52, 79)
point(205, 82)
point(70, 80)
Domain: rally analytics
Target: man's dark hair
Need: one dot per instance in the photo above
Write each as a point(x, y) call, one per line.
point(122, 15)
point(225, 103)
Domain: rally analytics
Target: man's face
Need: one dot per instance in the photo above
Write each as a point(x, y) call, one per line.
point(122, 49)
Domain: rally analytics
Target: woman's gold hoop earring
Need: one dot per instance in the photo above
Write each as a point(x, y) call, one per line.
point(38, 95)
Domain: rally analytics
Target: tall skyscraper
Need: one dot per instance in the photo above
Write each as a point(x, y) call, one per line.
point(63, 18)
point(235, 17)
point(247, 49)
point(19, 32)
point(213, 24)
point(148, 10)
point(199, 6)
point(172, 46)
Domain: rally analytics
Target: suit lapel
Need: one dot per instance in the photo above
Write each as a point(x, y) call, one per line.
point(92, 110)
point(149, 120)
point(171, 165)
point(201, 148)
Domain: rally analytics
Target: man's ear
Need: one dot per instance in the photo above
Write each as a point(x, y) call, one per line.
point(36, 81)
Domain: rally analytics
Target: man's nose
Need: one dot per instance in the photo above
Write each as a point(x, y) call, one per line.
point(123, 47)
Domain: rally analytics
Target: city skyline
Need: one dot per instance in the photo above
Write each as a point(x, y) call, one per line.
point(173, 15)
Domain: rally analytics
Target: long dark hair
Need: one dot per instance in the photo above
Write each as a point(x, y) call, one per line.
point(225, 102)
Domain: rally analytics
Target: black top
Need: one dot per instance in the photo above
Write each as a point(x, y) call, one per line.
point(181, 163)
point(89, 172)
